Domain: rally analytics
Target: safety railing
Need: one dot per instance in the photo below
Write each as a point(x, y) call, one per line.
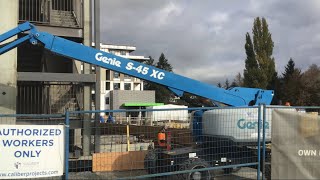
point(66, 13)
point(48, 98)
point(222, 143)
point(37, 11)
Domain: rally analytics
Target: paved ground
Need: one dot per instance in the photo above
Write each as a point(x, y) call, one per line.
point(243, 173)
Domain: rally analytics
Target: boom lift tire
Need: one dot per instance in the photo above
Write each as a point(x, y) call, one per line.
point(191, 164)
point(267, 165)
point(150, 161)
point(267, 171)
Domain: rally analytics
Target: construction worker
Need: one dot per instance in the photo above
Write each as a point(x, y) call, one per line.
point(110, 119)
point(162, 137)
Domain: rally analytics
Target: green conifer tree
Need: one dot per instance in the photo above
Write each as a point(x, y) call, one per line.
point(259, 65)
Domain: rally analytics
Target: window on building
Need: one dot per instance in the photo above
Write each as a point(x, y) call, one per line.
point(127, 76)
point(107, 74)
point(112, 51)
point(123, 53)
point(137, 87)
point(127, 86)
point(108, 86)
point(107, 100)
point(116, 86)
point(116, 75)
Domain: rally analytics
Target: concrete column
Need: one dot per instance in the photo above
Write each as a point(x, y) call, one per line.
point(77, 137)
point(86, 135)
point(8, 68)
point(98, 75)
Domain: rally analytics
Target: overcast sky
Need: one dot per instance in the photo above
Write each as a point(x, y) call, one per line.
point(204, 39)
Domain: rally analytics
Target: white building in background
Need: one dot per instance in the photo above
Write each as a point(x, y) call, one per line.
point(112, 80)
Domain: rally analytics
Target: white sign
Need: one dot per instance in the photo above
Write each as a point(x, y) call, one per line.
point(31, 151)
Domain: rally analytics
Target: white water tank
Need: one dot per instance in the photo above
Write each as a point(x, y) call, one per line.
point(239, 125)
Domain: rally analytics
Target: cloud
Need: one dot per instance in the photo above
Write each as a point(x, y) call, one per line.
point(163, 16)
point(205, 39)
point(217, 20)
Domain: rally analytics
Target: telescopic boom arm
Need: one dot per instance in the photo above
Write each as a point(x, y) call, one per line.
point(236, 96)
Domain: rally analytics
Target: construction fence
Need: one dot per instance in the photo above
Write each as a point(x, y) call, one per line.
point(189, 143)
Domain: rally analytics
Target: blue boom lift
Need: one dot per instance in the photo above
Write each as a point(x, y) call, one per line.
point(236, 96)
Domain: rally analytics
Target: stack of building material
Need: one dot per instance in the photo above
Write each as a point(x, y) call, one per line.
point(119, 143)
